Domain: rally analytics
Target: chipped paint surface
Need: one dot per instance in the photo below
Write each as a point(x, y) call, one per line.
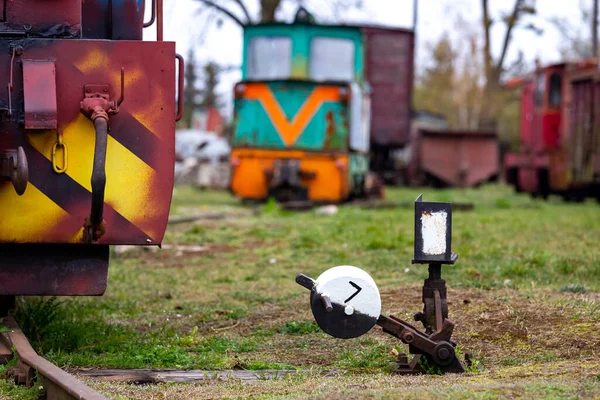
point(434, 232)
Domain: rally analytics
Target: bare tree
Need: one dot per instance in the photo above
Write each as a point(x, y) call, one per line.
point(577, 42)
point(495, 68)
point(238, 11)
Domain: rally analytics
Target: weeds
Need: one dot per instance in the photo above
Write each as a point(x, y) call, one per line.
point(299, 328)
point(573, 288)
point(266, 318)
point(429, 368)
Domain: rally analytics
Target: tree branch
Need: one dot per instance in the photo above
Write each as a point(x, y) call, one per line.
point(487, 52)
point(244, 9)
point(235, 18)
point(510, 24)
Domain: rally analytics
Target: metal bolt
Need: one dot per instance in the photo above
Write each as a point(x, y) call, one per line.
point(443, 354)
point(148, 240)
point(408, 337)
point(402, 358)
point(349, 310)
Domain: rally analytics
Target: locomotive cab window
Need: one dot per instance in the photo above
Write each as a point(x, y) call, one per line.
point(554, 90)
point(269, 58)
point(540, 87)
point(331, 59)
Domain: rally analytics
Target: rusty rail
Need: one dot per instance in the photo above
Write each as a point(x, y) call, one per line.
point(58, 383)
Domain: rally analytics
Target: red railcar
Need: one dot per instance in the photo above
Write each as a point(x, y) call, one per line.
point(87, 120)
point(559, 143)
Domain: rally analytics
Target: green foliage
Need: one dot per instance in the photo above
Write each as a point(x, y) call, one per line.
point(428, 367)
point(573, 288)
point(250, 313)
point(299, 328)
point(218, 344)
point(3, 328)
point(367, 354)
point(38, 316)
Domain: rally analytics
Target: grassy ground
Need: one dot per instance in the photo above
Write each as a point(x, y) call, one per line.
point(524, 296)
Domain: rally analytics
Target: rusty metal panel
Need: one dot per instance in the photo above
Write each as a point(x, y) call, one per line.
point(118, 20)
point(580, 141)
point(389, 70)
point(459, 158)
point(53, 270)
point(527, 115)
point(141, 143)
point(39, 92)
point(42, 18)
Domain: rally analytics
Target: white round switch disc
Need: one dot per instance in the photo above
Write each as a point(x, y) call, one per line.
point(355, 299)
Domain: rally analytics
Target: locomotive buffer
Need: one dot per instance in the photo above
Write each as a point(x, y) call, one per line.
point(345, 300)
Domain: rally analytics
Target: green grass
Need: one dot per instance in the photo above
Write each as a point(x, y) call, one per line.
point(530, 270)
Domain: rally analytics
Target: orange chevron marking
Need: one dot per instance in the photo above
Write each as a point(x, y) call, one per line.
point(290, 131)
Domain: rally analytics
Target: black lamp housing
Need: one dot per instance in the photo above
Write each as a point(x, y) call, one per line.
point(429, 210)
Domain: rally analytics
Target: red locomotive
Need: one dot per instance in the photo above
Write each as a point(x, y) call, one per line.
point(560, 133)
point(87, 116)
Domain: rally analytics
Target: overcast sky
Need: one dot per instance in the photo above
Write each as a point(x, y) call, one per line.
point(223, 44)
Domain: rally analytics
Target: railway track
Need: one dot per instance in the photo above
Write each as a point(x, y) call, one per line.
point(57, 384)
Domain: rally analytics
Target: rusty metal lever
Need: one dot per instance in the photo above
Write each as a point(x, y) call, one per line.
point(305, 281)
point(437, 348)
point(97, 106)
point(98, 181)
point(14, 167)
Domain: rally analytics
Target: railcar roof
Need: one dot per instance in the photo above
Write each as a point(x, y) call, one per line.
point(333, 26)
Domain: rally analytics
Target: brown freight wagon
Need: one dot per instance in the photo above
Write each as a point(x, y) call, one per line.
point(453, 158)
point(389, 70)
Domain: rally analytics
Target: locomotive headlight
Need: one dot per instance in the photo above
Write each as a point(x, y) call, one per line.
point(239, 90)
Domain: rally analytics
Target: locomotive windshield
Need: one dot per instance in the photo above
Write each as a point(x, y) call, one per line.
point(269, 58)
point(540, 87)
point(331, 59)
point(554, 90)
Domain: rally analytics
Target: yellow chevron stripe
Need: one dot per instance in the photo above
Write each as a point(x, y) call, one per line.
point(28, 217)
point(123, 170)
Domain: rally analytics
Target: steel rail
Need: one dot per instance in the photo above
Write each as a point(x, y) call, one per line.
point(59, 384)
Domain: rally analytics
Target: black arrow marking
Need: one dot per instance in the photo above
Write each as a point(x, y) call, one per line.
point(358, 289)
